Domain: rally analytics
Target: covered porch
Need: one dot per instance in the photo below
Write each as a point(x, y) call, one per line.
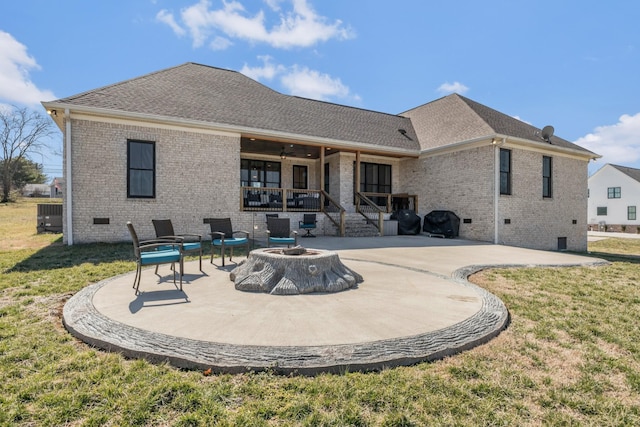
point(285, 176)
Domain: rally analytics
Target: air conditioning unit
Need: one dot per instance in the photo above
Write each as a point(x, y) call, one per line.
point(49, 218)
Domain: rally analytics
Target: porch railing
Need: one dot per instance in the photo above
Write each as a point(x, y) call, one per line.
point(334, 212)
point(372, 213)
point(373, 206)
point(393, 202)
point(280, 199)
point(267, 199)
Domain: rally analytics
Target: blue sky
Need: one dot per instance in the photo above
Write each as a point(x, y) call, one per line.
point(571, 64)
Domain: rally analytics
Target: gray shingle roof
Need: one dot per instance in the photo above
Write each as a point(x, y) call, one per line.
point(223, 97)
point(217, 96)
point(631, 172)
point(455, 118)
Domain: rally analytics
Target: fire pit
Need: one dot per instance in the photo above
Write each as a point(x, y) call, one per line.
point(293, 271)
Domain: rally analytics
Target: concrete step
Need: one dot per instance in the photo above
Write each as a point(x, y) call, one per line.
point(357, 226)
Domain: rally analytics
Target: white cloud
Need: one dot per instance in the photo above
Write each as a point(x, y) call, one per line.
point(167, 17)
point(313, 84)
point(220, 43)
point(618, 143)
point(455, 87)
point(267, 71)
point(299, 27)
point(300, 81)
point(15, 84)
point(274, 4)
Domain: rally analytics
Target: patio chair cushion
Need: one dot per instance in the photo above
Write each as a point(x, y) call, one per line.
point(190, 246)
point(283, 240)
point(159, 257)
point(233, 241)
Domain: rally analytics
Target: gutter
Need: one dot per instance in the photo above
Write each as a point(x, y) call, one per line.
point(234, 129)
point(519, 142)
point(68, 180)
point(496, 187)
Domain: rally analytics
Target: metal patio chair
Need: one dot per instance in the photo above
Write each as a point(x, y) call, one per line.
point(223, 236)
point(308, 223)
point(279, 232)
point(154, 252)
point(190, 242)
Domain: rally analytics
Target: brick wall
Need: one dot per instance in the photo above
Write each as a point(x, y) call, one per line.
point(537, 222)
point(461, 182)
point(197, 176)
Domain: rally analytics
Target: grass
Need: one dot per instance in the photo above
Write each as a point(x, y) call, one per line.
point(570, 356)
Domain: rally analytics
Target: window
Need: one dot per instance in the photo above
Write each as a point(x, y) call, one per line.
point(505, 171)
point(546, 176)
point(631, 213)
point(602, 210)
point(614, 193)
point(375, 178)
point(141, 169)
point(299, 177)
point(259, 173)
point(326, 177)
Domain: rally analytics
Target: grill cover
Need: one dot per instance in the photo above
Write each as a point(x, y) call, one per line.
point(408, 221)
point(445, 223)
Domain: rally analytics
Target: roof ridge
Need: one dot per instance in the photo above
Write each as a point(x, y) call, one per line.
point(427, 103)
point(341, 105)
point(624, 167)
point(77, 95)
point(633, 173)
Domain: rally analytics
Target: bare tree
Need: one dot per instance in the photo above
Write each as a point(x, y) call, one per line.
point(22, 131)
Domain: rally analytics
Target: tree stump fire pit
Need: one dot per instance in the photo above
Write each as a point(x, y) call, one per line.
point(293, 271)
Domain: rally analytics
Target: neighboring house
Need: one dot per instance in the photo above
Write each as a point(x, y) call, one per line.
point(56, 187)
point(193, 142)
point(614, 199)
point(35, 190)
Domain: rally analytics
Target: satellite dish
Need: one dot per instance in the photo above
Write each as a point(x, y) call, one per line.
point(547, 132)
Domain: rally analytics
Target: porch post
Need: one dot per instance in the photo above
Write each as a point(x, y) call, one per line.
point(357, 180)
point(321, 168)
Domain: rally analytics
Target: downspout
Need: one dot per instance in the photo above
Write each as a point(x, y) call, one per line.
point(496, 187)
point(68, 180)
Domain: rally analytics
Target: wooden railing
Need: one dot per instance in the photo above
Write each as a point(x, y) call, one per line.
point(372, 213)
point(393, 202)
point(267, 199)
point(334, 212)
point(373, 206)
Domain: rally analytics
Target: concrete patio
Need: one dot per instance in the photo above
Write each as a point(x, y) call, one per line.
point(414, 305)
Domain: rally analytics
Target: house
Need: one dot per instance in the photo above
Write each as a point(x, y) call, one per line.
point(35, 190)
point(193, 142)
point(56, 187)
point(614, 198)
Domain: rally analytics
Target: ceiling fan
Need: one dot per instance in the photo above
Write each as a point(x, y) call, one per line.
point(284, 154)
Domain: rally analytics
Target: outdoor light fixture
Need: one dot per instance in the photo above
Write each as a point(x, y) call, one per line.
point(282, 154)
point(52, 112)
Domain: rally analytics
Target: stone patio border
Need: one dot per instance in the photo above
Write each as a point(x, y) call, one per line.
point(83, 321)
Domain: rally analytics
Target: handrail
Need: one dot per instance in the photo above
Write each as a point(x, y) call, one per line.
point(332, 207)
point(273, 199)
point(392, 202)
point(370, 208)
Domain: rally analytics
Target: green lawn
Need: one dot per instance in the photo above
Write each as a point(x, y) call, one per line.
point(571, 356)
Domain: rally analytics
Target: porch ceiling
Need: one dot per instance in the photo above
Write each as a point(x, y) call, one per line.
point(276, 148)
point(270, 147)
